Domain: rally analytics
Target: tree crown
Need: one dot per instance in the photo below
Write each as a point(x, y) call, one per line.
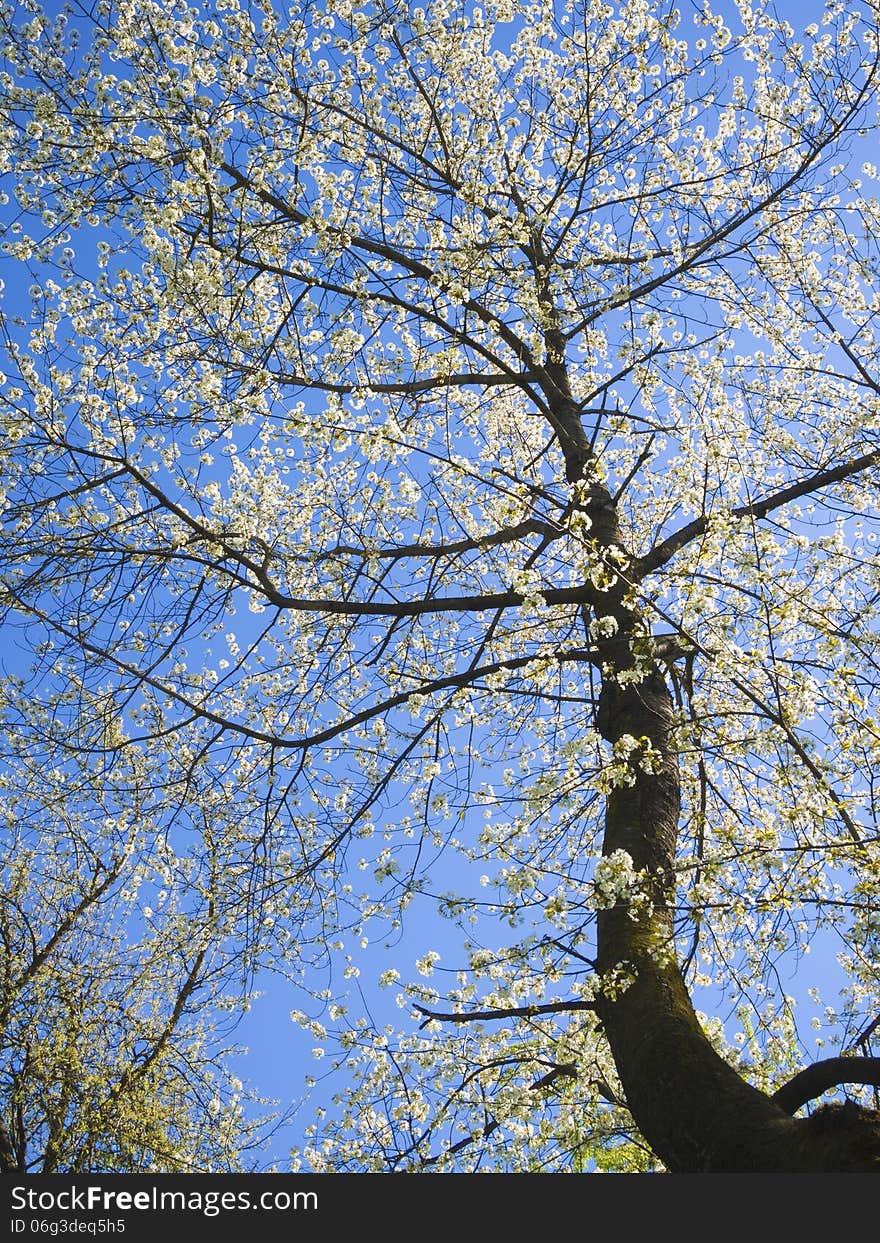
point(440, 456)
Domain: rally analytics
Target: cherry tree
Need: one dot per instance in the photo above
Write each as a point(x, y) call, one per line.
point(440, 466)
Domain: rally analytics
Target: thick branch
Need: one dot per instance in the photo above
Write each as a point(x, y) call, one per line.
point(467, 678)
point(437, 604)
point(666, 550)
point(504, 1012)
point(504, 535)
point(810, 1083)
point(407, 387)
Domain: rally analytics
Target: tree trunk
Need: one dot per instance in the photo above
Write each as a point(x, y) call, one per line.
point(695, 1111)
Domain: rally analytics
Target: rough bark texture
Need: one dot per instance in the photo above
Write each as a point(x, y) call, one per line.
point(694, 1110)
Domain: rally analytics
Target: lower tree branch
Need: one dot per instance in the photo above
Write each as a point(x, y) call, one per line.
point(811, 1082)
point(507, 1012)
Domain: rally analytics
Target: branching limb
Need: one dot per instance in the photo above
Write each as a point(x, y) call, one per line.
point(663, 552)
point(811, 1082)
point(505, 1012)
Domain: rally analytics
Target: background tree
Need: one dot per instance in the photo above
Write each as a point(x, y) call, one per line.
point(111, 1011)
point(440, 464)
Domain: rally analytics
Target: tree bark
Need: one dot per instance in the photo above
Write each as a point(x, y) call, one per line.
point(694, 1110)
